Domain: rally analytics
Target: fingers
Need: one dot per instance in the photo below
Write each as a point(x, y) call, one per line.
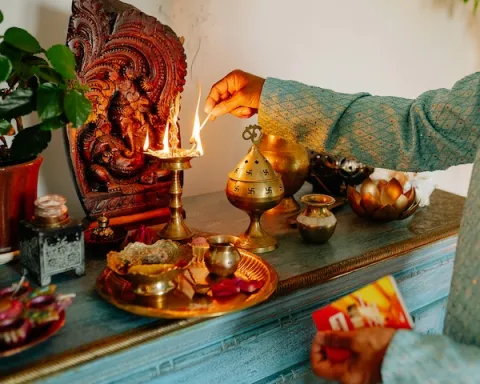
point(343, 340)
point(227, 106)
point(320, 364)
point(237, 93)
point(243, 112)
point(222, 90)
point(218, 92)
point(325, 368)
point(210, 104)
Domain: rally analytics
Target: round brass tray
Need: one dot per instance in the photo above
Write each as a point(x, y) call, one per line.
point(176, 305)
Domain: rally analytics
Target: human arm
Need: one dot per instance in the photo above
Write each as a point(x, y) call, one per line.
point(383, 354)
point(390, 356)
point(415, 358)
point(438, 129)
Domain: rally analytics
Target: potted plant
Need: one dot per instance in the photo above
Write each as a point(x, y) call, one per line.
point(33, 80)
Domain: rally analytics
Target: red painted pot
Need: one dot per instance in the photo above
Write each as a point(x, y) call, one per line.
point(18, 191)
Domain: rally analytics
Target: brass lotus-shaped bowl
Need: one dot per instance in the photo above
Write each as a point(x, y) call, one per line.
point(382, 201)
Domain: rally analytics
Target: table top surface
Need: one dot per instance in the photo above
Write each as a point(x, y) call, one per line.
point(355, 243)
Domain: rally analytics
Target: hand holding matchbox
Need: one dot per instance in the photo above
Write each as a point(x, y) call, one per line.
point(379, 304)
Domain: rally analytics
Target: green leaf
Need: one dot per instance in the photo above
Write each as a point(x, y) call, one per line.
point(54, 123)
point(23, 40)
point(5, 68)
point(62, 60)
point(29, 143)
point(5, 127)
point(77, 107)
point(14, 55)
point(48, 74)
point(28, 65)
point(34, 60)
point(1, 17)
point(49, 101)
point(19, 103)
point(20, 69)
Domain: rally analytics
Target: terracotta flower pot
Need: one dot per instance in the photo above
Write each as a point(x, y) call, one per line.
point(18, 191)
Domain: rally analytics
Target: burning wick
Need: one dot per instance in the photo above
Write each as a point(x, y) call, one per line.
point(146, 144)
point(171, 132)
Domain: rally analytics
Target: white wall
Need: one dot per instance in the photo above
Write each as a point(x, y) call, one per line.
point(400, 48)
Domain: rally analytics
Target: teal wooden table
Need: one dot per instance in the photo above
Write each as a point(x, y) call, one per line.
point(268, 343)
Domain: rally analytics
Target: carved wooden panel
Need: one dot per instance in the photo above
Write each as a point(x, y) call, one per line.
point(135, 66)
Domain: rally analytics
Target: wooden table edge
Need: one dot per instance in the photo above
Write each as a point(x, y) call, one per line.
point(81, 355)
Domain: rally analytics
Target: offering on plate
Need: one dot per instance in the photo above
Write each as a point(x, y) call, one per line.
point(145, 258)
point(199, 247)
point(143, 235)
point(231, 287)
point(151, 269)
point(182, 286)
point(24, 311)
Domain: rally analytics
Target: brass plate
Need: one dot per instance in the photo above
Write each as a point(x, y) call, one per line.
point(175, 305)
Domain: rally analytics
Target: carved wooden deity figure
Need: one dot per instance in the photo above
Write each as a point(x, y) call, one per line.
point(135, 68)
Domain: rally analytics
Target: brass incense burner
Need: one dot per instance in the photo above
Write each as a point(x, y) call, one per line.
point(254, 187)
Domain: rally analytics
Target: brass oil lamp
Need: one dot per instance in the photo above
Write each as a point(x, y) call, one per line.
point(254, 187)
point(177, 160)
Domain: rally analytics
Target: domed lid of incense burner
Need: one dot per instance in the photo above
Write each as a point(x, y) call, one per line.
point(254, 167)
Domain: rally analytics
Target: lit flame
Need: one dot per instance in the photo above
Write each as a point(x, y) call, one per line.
point(146, 144)
point(195, 139)
point(170, 139)
point(166, 147)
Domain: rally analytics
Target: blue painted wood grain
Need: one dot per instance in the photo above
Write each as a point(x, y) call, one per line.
point(256, 344)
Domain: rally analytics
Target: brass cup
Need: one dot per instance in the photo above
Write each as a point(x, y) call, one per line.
point(223, 257)
point(153, 285)
point(316, 223)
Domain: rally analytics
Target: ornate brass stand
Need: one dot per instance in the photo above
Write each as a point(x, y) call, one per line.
point(176, 229)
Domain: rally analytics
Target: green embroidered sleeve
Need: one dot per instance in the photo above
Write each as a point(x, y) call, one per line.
point(437, 130)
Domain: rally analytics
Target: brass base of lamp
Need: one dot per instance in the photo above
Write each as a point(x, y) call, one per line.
point(255, 239)
point(288, 205)
point(176, 229)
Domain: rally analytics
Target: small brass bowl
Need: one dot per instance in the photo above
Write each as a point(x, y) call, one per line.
point(223, 257)
point(154, 284)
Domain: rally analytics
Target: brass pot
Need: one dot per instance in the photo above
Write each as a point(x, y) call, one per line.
point(18, 184)
point(316, 223)
point(290, 160)
point(223, 257)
